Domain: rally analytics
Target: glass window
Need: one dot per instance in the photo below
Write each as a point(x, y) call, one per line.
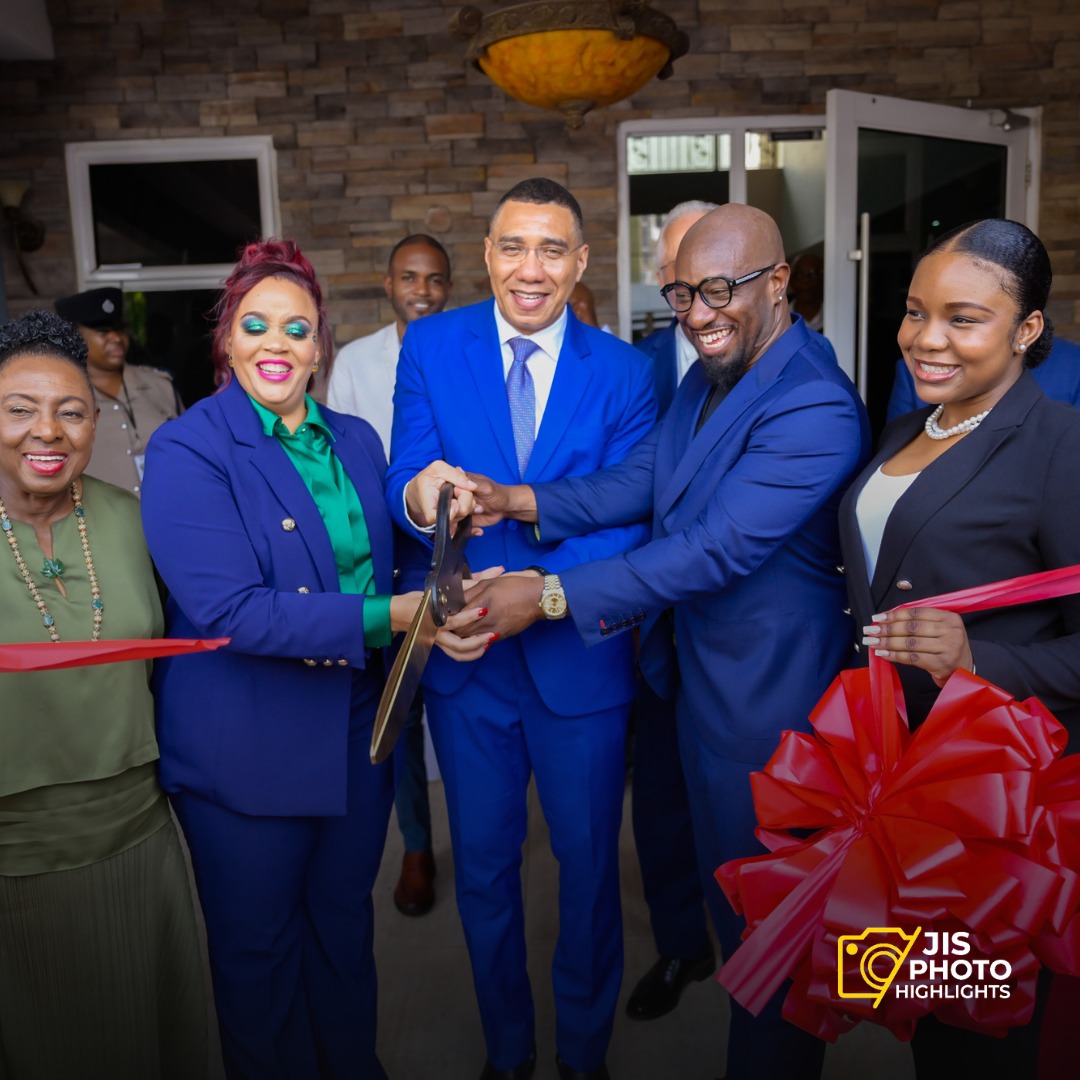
point(663, 171)
point(159, 214)
point(174, 213)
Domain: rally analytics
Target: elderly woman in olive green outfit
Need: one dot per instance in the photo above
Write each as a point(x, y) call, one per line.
point(100, 973)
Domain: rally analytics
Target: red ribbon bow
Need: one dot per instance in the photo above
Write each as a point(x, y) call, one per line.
point(970, 824)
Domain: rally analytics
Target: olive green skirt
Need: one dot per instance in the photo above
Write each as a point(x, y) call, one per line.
point(100, 972)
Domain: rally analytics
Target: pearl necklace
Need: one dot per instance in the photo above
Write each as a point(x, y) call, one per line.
point(47, 619)
point(970, 424)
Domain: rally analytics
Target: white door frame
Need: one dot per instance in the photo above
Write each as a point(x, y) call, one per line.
point(846, 112)
point(135, 277)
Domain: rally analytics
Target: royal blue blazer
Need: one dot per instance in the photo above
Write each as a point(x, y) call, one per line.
point(744, 549)
point(450, 403)
point(260, 726)
point(661, 347)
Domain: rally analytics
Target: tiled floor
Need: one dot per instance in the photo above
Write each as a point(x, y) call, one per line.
point(429, 1028)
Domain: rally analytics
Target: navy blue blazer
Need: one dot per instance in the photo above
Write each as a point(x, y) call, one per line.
point(660, 346)
point(260, 726)
point(450, 403)
point(1000, 503)
point(745, 546)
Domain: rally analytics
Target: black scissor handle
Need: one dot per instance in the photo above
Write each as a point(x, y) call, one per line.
point(448, 565)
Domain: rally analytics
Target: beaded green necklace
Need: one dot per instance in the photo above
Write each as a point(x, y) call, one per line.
point(55, 569)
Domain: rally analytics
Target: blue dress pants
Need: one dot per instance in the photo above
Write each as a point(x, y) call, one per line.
point(489, 737)
point(663, 833)
point(411, 782)
point(289, 921)
point(764, 1047)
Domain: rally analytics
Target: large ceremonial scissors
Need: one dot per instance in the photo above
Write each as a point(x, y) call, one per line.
point(444, 595)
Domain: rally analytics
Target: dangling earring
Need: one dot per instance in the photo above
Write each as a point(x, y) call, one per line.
point(314, 337)
point(315, 367)
point(231, 364)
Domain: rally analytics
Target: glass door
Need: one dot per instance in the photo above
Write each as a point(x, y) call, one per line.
point(899, 174)
point(776, 163)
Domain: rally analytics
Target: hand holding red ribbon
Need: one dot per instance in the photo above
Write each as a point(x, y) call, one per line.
point(969, 824)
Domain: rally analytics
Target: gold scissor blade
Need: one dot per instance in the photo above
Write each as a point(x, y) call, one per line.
point(403, 680)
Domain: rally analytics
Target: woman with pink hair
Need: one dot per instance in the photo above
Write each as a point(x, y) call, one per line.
point(265, 515)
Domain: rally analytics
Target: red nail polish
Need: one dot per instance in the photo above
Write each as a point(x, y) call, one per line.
point(493, 639)
point(481, 612)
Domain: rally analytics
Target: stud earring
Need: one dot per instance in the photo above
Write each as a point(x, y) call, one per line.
point(1023, 348)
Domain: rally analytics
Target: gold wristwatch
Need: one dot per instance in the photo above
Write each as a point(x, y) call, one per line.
point(553, 599)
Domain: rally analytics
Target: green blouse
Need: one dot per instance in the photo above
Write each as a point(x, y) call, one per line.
point(309, 449)
point(77, 746)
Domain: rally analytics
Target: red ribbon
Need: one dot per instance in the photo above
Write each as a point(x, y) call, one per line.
point(50, 655)
point(971, 823)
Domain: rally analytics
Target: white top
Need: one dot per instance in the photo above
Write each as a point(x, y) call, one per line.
point(685, 354)
point(362, 382)
point(872, 509)
point(541, 363)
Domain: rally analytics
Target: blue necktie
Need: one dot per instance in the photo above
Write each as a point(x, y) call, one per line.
point(521, 395)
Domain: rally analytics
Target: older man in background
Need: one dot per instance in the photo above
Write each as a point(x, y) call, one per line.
point(671, 351)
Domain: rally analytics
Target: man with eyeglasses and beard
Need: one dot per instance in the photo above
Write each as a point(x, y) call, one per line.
point(741, 480)
point(518, 387)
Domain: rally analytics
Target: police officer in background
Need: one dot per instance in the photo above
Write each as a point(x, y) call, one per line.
point(134, 400)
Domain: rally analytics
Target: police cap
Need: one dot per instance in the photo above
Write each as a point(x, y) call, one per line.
point(98, 309)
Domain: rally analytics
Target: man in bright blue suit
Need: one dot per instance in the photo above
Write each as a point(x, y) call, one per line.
point(520, 388)
point(1058, 376)
point(741, 480)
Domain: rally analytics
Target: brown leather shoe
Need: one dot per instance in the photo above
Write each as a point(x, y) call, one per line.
point(415, 892)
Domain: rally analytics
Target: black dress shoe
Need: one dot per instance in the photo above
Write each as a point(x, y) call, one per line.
point(662, 985)
point(518, 1072)
point(566, 1073)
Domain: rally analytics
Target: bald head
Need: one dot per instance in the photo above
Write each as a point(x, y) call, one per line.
point(743, 237)
point(734, 242)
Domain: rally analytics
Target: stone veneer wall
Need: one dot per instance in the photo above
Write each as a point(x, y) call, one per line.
point(381, 130)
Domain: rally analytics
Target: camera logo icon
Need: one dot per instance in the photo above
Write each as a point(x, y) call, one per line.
point(867, 963)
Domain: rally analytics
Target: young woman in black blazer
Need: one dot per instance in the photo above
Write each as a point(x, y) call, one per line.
point(978, 487)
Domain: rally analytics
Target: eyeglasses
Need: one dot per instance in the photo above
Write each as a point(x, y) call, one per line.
point(715, 292)
point(548, 254)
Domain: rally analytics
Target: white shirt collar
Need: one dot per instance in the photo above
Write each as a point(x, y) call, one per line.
point(685, 352)
point(550, 339)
